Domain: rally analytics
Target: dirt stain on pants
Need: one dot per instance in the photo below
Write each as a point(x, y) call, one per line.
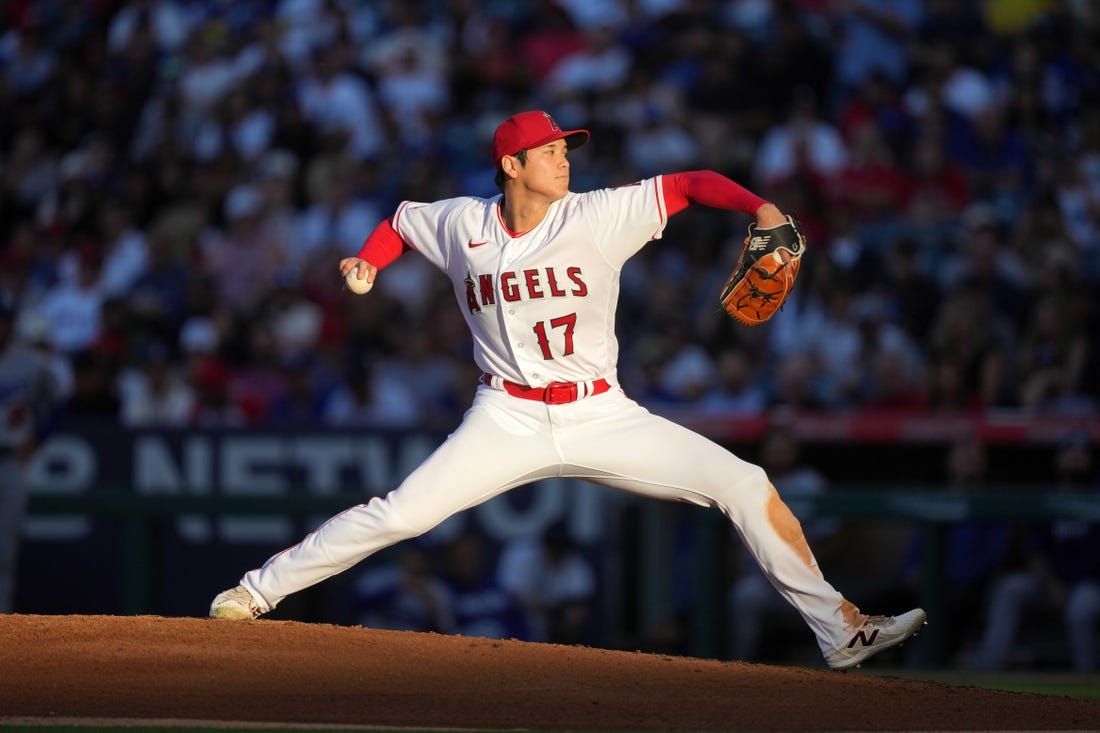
point(789, 529)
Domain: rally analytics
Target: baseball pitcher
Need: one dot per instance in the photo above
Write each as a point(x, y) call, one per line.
point(535, 272)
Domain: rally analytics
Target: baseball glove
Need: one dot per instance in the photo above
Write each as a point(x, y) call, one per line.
point(765, 272)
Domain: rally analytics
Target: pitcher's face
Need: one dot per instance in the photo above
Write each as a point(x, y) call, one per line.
point(547, 170)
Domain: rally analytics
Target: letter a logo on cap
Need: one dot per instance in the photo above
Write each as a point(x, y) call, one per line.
point(528, 130)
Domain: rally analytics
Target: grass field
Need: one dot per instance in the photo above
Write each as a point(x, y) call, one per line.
point(1066, 685)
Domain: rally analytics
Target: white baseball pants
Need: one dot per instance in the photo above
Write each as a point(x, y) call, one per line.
point(504, 442)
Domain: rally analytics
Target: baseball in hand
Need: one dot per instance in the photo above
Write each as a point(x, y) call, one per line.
point(357, 285)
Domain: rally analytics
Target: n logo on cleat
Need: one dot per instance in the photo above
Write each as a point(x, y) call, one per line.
point(863, 638)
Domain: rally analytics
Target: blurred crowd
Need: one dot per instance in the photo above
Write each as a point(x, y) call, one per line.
point(535, 588)
point(178, 179)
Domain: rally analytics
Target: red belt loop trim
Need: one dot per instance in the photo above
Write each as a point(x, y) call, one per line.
point(555, 393)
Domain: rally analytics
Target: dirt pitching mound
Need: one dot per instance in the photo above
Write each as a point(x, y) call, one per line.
point(189, 669)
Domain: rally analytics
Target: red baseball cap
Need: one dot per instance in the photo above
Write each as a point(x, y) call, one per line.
point(532, 129)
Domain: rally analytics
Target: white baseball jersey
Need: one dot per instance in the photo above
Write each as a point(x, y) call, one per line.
point(541, 305)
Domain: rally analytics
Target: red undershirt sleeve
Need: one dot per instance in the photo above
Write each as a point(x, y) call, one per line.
point(383, 245)
point(709, 189)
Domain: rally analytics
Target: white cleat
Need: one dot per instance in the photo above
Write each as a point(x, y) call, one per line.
point(877, 634)
point(235, 603)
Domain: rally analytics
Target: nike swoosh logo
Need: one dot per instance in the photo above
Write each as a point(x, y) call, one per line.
point(471, 244)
